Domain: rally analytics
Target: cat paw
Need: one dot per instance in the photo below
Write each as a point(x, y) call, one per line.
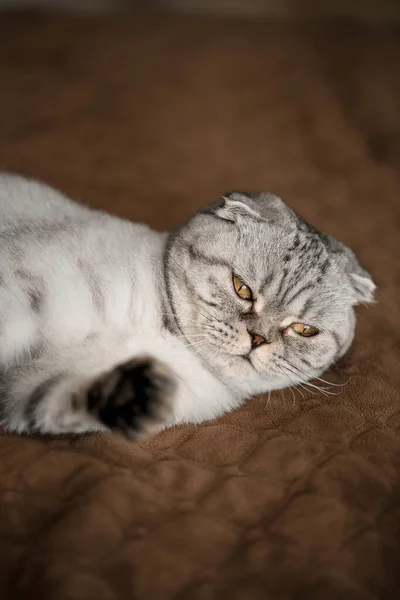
point(135, 398)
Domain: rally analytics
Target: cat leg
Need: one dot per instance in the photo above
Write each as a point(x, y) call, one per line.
point(134, 398)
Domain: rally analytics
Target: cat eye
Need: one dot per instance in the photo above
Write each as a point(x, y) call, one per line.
point(242, 290)
point(304, 330)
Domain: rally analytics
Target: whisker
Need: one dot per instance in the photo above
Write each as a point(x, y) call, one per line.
point(331, 382)
point(324, 390)
point(294, 397)
point(192, 336)
point(198, 344)
point(294, 386)
point(208, 311)
point(303, 385)
point(189, 320)
point(306, 383)
point(201, 325)
point(262, 397)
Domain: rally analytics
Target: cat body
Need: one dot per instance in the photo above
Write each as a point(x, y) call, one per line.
point(107, 324)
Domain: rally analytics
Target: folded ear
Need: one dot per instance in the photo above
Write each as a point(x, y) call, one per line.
point(262, 207)
point(363, 285)
point(268, 208)
point(361, 281)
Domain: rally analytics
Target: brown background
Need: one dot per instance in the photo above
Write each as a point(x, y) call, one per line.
point(365, 10)
point(151, 117)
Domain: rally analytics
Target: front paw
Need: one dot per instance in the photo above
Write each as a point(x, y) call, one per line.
point(134, 398)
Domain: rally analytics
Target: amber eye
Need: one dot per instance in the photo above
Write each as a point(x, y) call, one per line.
point(242, 290)
point(304, 330)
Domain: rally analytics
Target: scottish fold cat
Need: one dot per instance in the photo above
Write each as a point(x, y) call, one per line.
point(108, 325)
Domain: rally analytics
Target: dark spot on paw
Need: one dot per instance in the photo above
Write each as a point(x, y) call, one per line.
point(133, 392)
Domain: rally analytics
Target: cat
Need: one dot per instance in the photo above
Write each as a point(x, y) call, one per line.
point(109, 325)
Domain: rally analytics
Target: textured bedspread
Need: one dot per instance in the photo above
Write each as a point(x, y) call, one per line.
point(296, 497)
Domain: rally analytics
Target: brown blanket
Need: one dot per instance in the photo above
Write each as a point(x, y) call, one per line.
point(294, 498)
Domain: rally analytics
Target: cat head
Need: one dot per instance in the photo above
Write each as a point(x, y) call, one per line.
point(262, 296)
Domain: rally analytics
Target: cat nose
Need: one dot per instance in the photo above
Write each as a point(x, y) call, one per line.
point(257, 340)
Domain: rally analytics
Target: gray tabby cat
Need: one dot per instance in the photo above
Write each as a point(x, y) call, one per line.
point(108, 325)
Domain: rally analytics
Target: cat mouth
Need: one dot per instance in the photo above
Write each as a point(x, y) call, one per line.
point(247, 358)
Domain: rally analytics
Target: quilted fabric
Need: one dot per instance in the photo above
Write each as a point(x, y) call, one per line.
point(293, 497)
